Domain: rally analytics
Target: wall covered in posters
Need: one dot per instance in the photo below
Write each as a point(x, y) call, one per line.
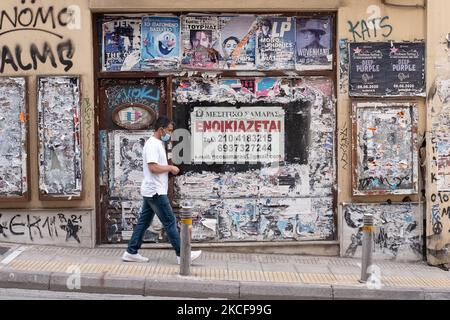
point(216, 42)
point(398, 230)
point(59, 129)
point(260, 200)
point(385, 148)
point(130, 108)
point(13, 139)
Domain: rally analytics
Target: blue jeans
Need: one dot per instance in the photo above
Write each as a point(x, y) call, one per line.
point(160, 205)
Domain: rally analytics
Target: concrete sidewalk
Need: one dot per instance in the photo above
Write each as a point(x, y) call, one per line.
point(214, 275)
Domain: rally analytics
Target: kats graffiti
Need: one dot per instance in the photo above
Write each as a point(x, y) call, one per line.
point(38, 20)
point(36, 227)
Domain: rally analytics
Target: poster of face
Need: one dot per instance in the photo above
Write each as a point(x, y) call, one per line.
point(238, 42)
point(275, 48)
point(314, 43)
point(200, 41)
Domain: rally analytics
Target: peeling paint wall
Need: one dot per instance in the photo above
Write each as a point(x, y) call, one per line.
point(398, 230)
point(292, 201)
point(13, 139)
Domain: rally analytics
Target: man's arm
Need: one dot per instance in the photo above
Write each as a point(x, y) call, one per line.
point(157, 168)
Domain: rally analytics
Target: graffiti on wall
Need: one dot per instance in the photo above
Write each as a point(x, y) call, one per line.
point(438, 212)
point(344, 144)
point(289, 201)
point(366, 29)
point(68, 227)
point(386, 148)
point(59, 134)
point(59, 51)
point(398, 230)
point(13, 138)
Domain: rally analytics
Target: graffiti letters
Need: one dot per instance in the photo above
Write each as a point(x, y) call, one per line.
point(343, 146)
point(88, 123)
point(393, 183)
point(366, 29)
point(17, 59)
point(37, 227)
point(36, 19)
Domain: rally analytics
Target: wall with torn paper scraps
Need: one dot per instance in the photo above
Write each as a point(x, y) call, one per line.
point(398, 230)
point(290, 201)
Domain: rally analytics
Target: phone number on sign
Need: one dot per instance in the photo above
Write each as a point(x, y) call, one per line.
point(244, 138)
point(244, 147)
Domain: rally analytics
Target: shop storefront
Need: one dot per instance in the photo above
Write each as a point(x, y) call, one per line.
point(292, 122)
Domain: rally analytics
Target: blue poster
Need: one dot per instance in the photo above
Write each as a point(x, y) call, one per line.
point(160, 43)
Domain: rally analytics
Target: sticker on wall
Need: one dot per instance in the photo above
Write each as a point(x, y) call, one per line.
point(13, 139)
point(134, 116)
point(161, 41)
point(314, 43)
point(59, 135)
point(385, 148)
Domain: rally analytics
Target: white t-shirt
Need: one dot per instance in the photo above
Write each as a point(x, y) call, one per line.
point(153, 183)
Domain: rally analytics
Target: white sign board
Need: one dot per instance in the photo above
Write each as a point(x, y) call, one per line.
point(233, 135)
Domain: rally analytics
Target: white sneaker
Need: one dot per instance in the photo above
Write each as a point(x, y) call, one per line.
point(128, 257)
point(194, 255)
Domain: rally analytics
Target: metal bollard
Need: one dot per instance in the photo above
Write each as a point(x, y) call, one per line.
point(367, 246)
point(185, 254)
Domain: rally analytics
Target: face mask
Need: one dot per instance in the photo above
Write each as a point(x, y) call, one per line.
point(165, 137)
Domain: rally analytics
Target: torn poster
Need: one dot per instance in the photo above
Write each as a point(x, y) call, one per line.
point(13, 138)
point(160, 43)
point(398, 230)
point(126, 162)
point(386, 148)
point(238, 42)
point(200, 37)
point(60, 169)
point(121, 45)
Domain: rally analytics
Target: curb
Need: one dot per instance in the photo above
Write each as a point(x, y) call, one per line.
point(274, 291)
point(363, 293)
point(183, 287)
point(190, 287)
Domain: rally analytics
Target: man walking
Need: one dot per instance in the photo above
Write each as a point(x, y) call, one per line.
point(154, 191)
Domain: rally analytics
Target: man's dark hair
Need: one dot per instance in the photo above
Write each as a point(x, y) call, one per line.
point(162, 122)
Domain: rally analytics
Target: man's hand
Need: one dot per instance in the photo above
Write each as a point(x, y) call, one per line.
point(174, 170)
